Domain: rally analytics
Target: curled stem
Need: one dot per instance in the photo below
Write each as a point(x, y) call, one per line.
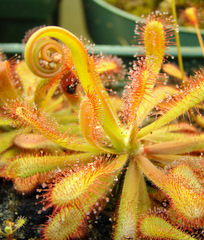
point(87, 75)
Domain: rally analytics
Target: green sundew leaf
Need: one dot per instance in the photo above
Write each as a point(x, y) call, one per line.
point(165, 136)
point(66, 119)
point(7, 90)
point(50, 128)
point(24, 74)
point(9, 154)
point(178, 127)
point(44, 92)
point(5, 121)
point(69, 215)
point(156, 227)
point(185, 145)
point(33, 141)
point(149, 102)
point(6, 140)
point(134, 191)
point(40, 91)
point(49, 94)
point(54, 105)
point(79, 192)
point(151, 171)
point(154, 39)
point(84, 187)
point(86, 122)
point(20, 221)
point(165, 159)
point(188, 99)
point(142, 83)
point(65, 116)
point(72, 129)
point(184, 185)
point(199, 120)
point(24, 167)
point(6, 157)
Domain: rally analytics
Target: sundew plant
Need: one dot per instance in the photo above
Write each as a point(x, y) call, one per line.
point(76, 139)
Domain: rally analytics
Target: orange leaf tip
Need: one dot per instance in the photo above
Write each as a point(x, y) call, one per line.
point(191, 15)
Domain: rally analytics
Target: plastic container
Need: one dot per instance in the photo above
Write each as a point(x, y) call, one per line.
point(18, 16)
point(192, 56)
point(110, 25)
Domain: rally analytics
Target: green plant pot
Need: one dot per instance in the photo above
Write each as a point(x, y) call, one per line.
point(110, 25)
point(18, 16)
point(192, 56)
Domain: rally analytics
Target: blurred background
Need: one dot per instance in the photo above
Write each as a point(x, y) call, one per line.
point(111, 28)
point(18, 16)
point(107, 24)
point(72, 17)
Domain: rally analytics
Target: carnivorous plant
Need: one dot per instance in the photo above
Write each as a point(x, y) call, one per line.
point(86, 145)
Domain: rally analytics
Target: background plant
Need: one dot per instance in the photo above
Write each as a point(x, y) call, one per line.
point(143, 7)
